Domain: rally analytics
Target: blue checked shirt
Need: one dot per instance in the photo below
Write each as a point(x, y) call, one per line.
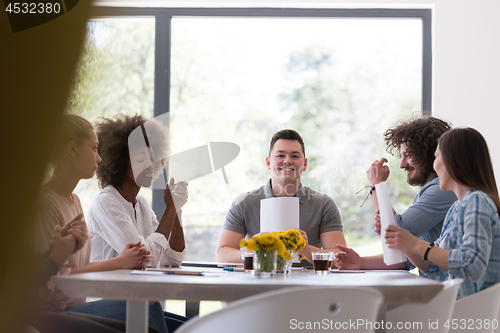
point(471, 231)
point(424, 218)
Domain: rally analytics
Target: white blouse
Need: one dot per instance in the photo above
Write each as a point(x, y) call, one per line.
point(113, 222)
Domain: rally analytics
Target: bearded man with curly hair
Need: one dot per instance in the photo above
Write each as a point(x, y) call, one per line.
point(415, 142)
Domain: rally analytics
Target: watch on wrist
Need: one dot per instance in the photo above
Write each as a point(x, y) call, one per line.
point(431, 245)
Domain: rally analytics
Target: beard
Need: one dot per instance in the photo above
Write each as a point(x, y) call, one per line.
point(419, 178)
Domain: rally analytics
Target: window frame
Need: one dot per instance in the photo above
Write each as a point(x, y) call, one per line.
point(163, 18)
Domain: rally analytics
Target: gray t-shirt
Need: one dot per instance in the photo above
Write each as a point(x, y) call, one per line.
point(318, 213)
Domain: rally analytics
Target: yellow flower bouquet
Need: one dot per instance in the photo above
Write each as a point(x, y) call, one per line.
point(294, 242)
point(266, 247)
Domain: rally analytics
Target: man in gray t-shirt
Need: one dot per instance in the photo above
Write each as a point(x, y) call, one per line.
point(320, 221)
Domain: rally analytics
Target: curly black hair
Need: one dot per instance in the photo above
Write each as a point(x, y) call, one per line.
point(113, 135)
point(421, 136)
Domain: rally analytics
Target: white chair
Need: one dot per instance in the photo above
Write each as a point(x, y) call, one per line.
point(292, 309)
point(471, 313)
point(418, 317)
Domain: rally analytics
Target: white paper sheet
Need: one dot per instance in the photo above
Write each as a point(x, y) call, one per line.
point(391, 256)
point(279, 214)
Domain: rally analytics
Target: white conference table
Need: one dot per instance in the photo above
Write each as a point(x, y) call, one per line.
point(398, 287)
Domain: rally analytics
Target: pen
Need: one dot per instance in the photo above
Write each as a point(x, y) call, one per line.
point(233, 269)
point(184, 273)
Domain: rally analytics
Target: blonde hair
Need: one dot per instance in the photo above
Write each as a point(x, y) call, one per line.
point(72, 128)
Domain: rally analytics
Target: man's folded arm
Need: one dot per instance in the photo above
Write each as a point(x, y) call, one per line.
point(228, 248)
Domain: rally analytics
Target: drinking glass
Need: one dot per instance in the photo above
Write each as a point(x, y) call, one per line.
point(247, 259)
point(321, 261)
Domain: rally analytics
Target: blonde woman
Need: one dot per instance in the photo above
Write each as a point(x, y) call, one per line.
point(76, 158)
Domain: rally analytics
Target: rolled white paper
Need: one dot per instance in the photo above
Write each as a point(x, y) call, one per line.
point(279, 214)
point(391, 256)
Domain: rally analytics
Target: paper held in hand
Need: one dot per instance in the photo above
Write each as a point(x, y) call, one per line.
point(391, 256)
point(279, 214)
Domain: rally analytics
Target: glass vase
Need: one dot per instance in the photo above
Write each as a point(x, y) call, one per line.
point(265, 262)
point(284, 266)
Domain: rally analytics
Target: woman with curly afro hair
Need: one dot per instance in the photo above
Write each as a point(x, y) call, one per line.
point(118, 215)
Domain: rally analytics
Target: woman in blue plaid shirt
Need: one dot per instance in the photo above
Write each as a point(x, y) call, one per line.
point(469, 245)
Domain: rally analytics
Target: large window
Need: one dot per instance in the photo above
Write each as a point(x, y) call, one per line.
point(339, 77)
point(115, 75)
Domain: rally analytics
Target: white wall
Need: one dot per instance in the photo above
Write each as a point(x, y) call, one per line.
point(467, 67)
point(466, 50)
